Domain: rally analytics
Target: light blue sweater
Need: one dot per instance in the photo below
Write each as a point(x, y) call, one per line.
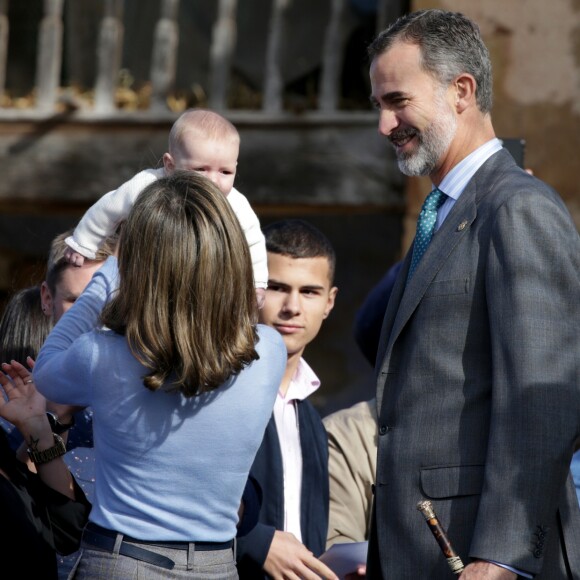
point(167, 467)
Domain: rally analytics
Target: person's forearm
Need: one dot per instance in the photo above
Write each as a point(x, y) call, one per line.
point(58, 351)
point(55, 474)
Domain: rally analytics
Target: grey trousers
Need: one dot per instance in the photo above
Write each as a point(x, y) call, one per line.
point(94, 564)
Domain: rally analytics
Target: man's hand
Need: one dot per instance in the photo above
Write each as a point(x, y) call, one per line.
point(74, 258)
point(288, 559)
point(481, 570)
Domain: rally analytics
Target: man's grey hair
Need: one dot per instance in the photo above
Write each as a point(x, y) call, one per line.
point(450, 44)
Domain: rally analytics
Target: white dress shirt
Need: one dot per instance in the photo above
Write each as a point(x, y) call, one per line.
point(303, 384)
point(455, 181)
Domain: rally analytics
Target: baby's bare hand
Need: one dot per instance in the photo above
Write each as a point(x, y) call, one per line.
point(74, 258)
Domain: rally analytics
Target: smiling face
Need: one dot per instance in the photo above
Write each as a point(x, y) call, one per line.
point(216, 159)
point(299, 297)
point(416, 113)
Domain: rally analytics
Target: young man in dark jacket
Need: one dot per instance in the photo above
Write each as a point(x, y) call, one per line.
point(291, 465)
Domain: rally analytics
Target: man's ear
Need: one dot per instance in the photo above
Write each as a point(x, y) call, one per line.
point(168, 163)
point(465, 86)
point(46, 299)
point(331, 298)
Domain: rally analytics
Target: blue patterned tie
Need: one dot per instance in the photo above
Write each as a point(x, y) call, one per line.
point(426, 226)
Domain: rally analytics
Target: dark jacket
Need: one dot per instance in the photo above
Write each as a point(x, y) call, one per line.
point(36, 519)
point(253, 548)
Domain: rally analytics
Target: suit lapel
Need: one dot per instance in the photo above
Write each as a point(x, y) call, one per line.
point(406, 297)
point(455, 226)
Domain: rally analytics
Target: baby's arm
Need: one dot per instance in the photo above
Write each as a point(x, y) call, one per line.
point(101, 219)
point(254, 236)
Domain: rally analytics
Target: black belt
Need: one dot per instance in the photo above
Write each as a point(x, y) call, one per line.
point(103, 539)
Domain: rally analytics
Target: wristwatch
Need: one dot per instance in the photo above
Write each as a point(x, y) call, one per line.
point(56, 426)
point(40, 457)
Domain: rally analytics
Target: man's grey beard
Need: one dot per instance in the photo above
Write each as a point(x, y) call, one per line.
point(433, 142)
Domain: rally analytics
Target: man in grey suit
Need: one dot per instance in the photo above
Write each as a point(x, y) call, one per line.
point(478, 382)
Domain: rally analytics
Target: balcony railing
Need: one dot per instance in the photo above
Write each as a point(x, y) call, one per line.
point(48, 92)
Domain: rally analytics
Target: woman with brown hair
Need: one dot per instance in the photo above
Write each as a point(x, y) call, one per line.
point(181, 380)
point(23, 329)
point(42, 507)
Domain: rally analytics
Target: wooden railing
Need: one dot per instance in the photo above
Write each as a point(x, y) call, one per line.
point(165, 43)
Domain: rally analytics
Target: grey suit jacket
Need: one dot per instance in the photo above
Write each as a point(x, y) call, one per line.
point(478, 387)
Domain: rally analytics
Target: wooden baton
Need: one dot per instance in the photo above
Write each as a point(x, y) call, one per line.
point(454, 561)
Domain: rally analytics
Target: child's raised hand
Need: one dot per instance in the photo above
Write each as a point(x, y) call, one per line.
point(74, 258)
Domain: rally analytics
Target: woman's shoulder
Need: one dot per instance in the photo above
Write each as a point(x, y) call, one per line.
point(270, 338)
point(271, 348)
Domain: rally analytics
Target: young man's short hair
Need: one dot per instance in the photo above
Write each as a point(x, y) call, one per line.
point(297, 238)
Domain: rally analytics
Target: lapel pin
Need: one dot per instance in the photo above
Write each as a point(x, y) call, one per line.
point(461, 226)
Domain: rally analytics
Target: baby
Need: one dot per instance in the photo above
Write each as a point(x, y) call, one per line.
point(200, 141)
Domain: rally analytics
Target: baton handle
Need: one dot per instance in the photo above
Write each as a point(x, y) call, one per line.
point(454, 561)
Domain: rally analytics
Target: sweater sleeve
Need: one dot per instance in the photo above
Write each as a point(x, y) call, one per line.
point(103, 217)
point(532, 297)
point(63, 363)
point(253, 548)
point(254, 236)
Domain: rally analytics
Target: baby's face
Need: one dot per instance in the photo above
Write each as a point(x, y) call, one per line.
point(217, 160)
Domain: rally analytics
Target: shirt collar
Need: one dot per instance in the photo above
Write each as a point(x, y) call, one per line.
point(303, 383)
point(455, 181)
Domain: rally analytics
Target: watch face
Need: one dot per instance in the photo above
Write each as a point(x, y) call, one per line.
point(52, 420)
point(56, 426)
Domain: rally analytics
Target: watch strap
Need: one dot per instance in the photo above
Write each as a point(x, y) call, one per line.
point(46, 455)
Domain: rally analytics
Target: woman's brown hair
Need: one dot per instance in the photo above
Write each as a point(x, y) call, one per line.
point(23, 326)
point(186, 299)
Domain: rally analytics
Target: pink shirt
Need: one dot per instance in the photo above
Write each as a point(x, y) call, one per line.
point(302, 385)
